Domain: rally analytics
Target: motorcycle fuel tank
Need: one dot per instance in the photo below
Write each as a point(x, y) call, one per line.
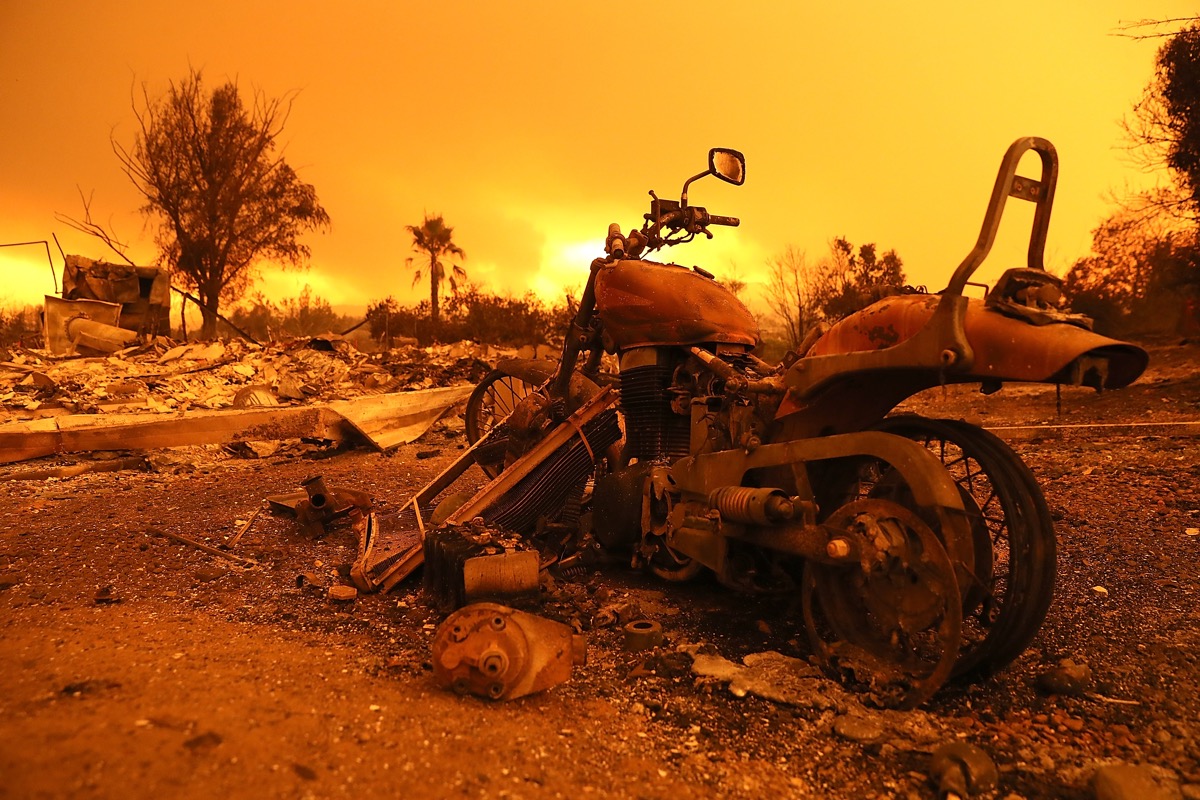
point(643, 303)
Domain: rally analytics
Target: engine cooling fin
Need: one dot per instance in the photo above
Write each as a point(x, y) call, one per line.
point(654, 430)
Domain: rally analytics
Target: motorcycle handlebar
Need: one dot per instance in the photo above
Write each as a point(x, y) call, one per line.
point(718, 219)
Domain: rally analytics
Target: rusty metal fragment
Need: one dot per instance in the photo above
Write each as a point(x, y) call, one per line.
point(642, 634)
point(388, 552)
point(501, 653)
point(86, 326)
point(206, 548)
point(233, 540)
point(317, 506)
point(961, 770)
point(465, 564)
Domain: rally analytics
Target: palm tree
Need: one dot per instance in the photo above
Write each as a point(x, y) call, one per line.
point(433, 238)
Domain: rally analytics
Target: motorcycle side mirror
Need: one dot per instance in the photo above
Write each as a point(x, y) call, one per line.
point(728, 165)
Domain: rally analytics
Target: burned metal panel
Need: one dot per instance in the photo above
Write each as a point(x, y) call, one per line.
point(505, 494)
point(84, 326)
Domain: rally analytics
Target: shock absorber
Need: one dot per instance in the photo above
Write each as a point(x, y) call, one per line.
point(752, 506)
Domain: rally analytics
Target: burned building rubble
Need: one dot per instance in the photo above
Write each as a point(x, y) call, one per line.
point(319, 387)
point(143, 293)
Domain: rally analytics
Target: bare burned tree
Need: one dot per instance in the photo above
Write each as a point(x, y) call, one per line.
point(788, 297)
point(95, 229)
point(224, 200)
point(1153, 28)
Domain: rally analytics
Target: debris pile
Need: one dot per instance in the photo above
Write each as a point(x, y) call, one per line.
point(165, 377)
point(235, 394)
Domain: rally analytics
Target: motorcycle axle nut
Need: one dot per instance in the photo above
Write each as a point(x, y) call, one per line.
point(493, 664)
point(838, 548)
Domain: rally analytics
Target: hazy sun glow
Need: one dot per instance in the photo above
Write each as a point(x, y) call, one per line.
point(565, 267)
point(531, 126)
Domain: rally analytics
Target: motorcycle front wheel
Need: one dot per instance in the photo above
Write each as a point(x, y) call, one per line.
point(490, 404)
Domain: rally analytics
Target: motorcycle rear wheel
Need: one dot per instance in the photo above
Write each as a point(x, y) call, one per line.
point(891, 627)
point(1006, 602)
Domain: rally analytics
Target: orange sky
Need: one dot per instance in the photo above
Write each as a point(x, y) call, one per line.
point(531, 126)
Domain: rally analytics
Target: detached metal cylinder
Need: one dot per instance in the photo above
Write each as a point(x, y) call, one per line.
point(752, 506)
point(84, 332)
point(318, 495)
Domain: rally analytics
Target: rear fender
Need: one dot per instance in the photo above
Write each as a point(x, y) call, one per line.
point(1003, 347)
point(900, 335)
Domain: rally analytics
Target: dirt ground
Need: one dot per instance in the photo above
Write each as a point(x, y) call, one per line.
point(134, 666)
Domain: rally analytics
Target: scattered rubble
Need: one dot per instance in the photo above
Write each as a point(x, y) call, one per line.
point(164, 377)
point(232, 393)
point(771, 676)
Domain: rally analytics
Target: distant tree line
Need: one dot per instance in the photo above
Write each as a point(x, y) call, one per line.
point(1143, 274)
point(303, 315)
point(471, 314)
point(805, 297)
point(20, 327)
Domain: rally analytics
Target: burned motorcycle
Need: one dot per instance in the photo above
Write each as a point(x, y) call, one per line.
point(918, 549)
